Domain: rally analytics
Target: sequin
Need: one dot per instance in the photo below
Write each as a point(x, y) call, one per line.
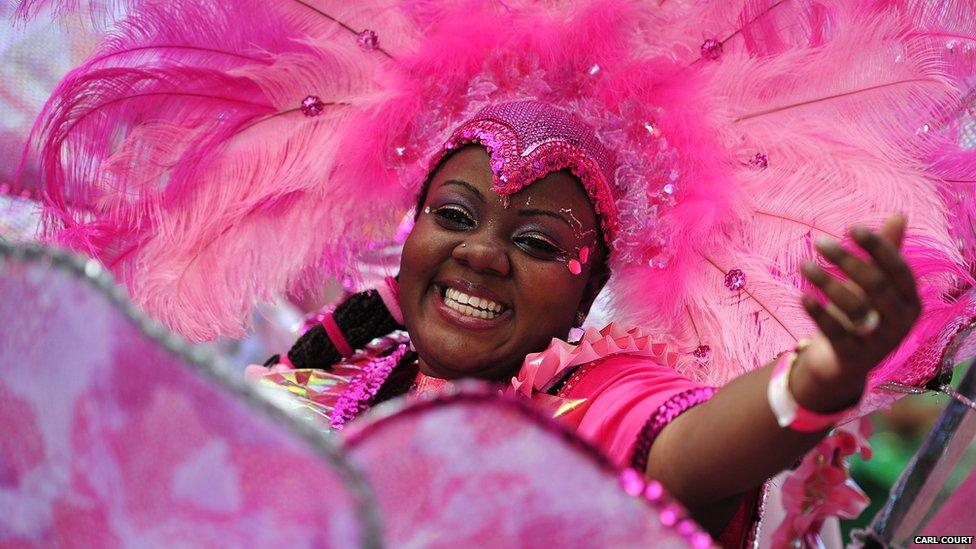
point(368, 40)
point(668, 188)
point(312, 106)
point(574, 266)
point(584, 254)
point(735, 279)
point(427, 209)
point(760, 161)
point(711, 49)
point(664, 415)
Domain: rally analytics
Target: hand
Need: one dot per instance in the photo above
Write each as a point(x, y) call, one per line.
point(831, 373)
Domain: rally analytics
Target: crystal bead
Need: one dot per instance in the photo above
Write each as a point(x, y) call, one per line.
point(760, 161)
point(312, 106)
point(702, 353)
point(711, 49)
point(368, 40)
point(735, 279)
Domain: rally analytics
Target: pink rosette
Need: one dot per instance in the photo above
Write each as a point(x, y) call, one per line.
point(539, 370)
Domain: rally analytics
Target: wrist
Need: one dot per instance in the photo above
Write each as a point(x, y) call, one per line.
point(821, 391)
point(822, 411)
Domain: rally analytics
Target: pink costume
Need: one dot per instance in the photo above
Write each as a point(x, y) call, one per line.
point(716, 141)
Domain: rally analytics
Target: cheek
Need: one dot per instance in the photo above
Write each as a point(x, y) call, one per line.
point(552, 293)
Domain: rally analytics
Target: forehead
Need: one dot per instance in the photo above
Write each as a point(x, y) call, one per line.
point(556, 190)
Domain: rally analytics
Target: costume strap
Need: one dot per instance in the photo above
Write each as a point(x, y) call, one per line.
point(335, 334)
point(390, 294)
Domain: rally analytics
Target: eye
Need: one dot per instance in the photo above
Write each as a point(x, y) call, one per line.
point(540, 248)
point(454, 217)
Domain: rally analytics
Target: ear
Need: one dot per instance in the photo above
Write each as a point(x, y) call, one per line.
point(598, 279)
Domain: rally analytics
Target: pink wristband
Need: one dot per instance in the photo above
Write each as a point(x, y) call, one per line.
point(787, 410)
point(335, 334)
point(390, 294)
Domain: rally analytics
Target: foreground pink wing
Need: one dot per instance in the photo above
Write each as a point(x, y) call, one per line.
point(116, 433)
point(476, 469)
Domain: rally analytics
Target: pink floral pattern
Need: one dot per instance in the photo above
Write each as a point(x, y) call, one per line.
point(495, 472)
point(109, 439)
point(821, 487)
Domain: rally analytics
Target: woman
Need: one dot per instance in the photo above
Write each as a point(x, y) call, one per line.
point(556, 150)
point(484, 285)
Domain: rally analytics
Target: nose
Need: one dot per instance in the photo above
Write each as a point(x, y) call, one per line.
point(483, 255)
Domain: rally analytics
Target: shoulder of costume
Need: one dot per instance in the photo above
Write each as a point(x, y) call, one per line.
point(543, 369)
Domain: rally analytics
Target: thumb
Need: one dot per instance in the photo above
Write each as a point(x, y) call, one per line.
point(893, 229)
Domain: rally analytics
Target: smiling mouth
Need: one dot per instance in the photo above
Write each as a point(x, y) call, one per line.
point(471, 306)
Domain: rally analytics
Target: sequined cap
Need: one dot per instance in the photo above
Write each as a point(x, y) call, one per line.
point(529, 139)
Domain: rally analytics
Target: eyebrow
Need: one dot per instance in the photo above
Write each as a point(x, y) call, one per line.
point(474, 190)
point(524, 212)
point(547, 213)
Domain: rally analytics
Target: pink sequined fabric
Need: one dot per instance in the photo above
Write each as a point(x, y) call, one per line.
point(529, 139)
point(361, 389)
point(665, 414)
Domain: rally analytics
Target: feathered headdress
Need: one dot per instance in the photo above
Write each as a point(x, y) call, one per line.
point(217, 153)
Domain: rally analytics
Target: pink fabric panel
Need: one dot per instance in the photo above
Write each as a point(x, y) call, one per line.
point(623, 392)
point(109, 439)
point(493, 472)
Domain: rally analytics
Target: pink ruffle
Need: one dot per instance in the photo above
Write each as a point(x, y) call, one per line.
point(539, 370)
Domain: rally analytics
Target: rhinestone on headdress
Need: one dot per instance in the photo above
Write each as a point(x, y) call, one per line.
point(312, 106)
point(711, 49)
point(368, 40)
point(702, 353)
point(760, 161)
point(735, 279)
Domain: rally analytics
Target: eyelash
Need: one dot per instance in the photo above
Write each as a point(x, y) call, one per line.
point(457, 218)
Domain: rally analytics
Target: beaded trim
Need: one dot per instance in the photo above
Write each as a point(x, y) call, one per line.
point(361, 389)
point(669, 511)
point(578, 375)
point(664, 415)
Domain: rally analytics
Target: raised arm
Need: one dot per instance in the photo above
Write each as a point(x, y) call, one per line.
point(716, 452)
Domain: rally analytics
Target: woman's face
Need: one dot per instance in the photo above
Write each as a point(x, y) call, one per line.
point(482, 285)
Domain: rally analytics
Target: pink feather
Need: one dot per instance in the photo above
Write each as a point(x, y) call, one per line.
point(179, 157)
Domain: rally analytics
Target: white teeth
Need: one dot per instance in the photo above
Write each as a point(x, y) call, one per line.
point(470, 305)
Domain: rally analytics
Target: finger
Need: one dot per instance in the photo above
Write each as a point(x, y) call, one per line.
point(841, 339)
point(885, 253)
point(850, 301)
point(893, 229)
point(877, 285)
